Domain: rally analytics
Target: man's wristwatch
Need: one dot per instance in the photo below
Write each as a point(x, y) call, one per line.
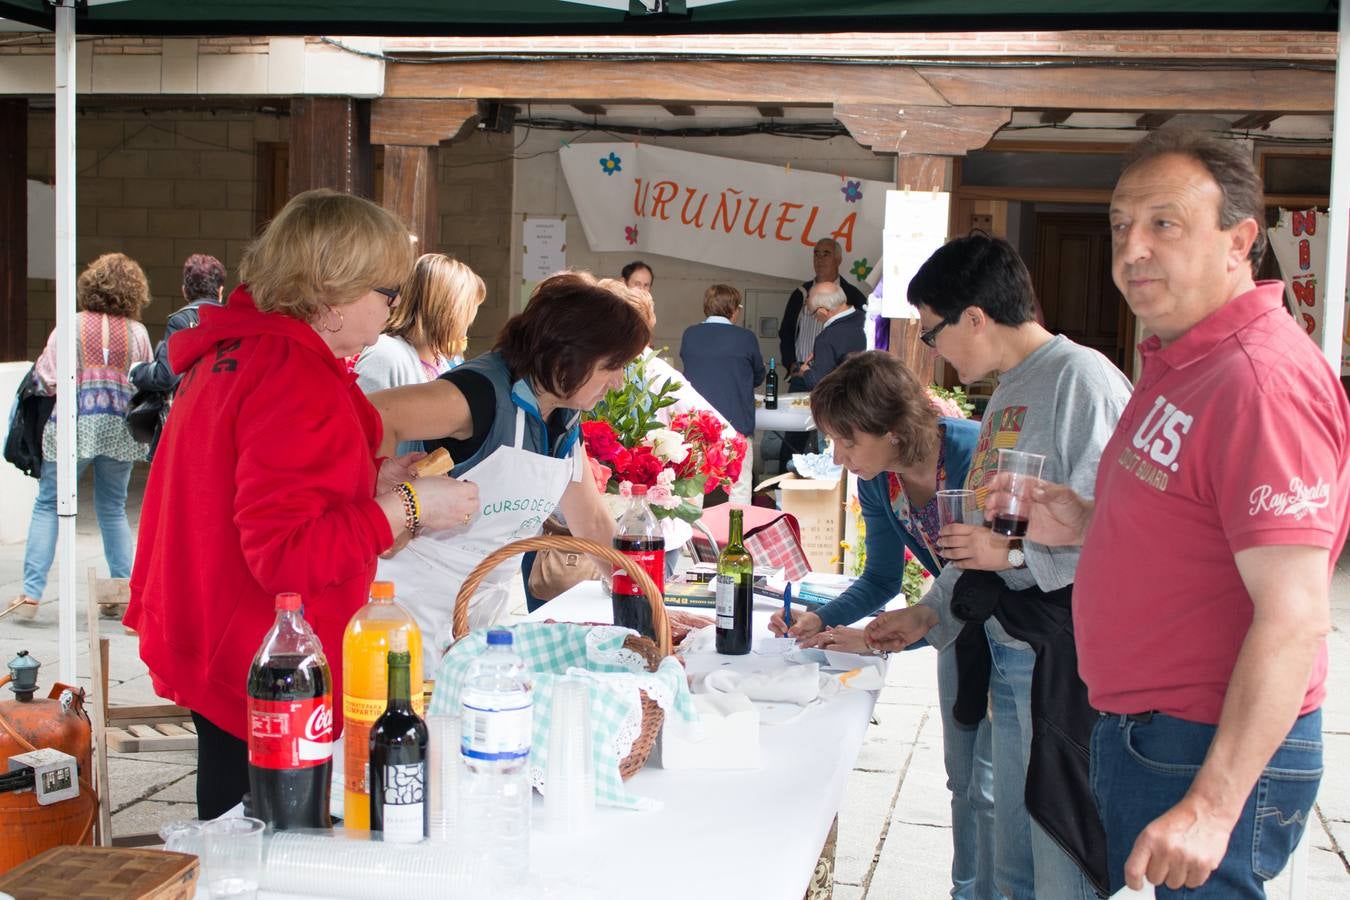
point(1016, 558)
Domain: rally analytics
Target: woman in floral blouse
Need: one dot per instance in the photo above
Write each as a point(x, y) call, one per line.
point(110, 339)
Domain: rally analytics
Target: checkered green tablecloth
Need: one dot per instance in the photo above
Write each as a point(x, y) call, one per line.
point(595, 654)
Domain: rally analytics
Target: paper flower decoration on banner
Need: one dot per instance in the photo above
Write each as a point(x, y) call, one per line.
point(861, 269)
point(611, 164)
point(852, 191)
point(630, 233)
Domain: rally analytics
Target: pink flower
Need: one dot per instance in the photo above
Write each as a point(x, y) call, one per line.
point(601, 473)
point(660, 495)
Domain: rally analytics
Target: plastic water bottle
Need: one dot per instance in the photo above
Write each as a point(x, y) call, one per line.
point(497, 726)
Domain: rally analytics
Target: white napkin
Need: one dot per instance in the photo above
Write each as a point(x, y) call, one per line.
point(792, 684)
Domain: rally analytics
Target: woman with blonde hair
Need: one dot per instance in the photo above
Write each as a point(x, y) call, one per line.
point(110, 339)
point(427, 329)
point(268, 476)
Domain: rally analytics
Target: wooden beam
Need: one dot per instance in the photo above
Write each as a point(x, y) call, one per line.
point(1255, 121)
point(1055, 116)
point(921, 173)
point(1154, 120)
point(772, 112)
point(14, 230)
point(410, 192)
point(678, 109)
point(940, 130)
point(666, 81)
point(1097, 88)
point(1136, 90)
point(329, 146)
point(589, 109)
point(423, 123)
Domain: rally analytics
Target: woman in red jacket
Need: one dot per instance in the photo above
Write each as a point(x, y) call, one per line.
point(266, 478)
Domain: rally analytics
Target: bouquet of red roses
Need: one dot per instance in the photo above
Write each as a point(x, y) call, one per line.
point(628, 444)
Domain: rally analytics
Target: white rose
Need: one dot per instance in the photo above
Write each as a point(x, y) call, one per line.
point(668, 445)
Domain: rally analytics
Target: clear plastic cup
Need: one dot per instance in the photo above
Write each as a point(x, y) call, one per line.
point(331, 864)
point(444, 768)
point(182, 836)
point(957, 508)
point(232, 856)
point(1017, 470)
point(569, 781)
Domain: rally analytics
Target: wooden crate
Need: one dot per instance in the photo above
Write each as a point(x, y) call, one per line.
point(140, 729)
point(105, 873)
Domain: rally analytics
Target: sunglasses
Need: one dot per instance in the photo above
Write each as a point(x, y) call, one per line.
point(390, 294)
point(929, 337)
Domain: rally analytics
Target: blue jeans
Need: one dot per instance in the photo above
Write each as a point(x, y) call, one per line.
point(1028, 864)
point(1143, 765)
point(970, 778)
point(110, 504)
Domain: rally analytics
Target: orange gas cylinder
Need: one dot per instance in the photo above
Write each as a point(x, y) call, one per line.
point(59, 722)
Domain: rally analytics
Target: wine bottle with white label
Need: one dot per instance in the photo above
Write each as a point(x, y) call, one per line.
point(735, 592)
point(398, 757)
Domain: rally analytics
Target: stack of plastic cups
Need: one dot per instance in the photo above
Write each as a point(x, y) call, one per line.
point(569, 783)
point(444, 764)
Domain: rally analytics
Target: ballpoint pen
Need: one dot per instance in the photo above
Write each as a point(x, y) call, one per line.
point(787, 606)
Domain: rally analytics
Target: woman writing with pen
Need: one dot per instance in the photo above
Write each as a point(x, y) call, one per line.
point(886, 431)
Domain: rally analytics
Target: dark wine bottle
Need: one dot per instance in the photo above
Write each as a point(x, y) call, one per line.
point(771, 385)
point(398, 757)
point(735, 592)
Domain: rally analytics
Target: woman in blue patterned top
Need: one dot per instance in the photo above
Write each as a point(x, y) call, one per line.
point(886, 431)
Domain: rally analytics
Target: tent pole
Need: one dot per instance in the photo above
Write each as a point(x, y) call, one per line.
point(65, 333)
point(1333, 325)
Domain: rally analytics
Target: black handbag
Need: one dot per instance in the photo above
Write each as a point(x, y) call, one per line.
point(146, 413)
point(23, 442)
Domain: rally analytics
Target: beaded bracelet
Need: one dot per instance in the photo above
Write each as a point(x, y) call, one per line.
point(412, 509)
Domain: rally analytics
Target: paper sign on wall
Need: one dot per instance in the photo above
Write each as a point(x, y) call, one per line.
point(1299, 239)
point(544, 247)
point(916, 225)
point(725, 212)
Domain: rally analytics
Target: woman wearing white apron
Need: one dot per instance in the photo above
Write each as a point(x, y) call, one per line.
point(510, 420)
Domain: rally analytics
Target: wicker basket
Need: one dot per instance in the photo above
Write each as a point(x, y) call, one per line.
point(652, 715)
point(108, 873)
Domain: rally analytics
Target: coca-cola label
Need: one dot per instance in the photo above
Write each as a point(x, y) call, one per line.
point(290, 734)
point(653, 561)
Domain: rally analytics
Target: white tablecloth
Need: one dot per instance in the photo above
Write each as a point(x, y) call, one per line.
point(787, 417)
point(752, 834)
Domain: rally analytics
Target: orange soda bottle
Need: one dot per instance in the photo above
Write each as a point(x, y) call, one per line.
point(365, 689)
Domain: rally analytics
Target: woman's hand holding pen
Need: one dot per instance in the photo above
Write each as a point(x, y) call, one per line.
point(804, 624)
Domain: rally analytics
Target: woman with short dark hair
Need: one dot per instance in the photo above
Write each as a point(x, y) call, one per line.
point(510, 419)
point(886, 430)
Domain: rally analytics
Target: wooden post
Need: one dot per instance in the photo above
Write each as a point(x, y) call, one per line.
point(410, 131)
point(330, 145)
point(14, 230)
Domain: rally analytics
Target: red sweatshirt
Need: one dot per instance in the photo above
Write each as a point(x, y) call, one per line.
point(263, 483)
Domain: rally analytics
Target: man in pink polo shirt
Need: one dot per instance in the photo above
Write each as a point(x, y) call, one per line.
point(1201, 602)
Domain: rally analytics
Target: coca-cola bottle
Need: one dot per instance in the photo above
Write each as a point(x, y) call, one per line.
point(290, 724)
point(640, 539)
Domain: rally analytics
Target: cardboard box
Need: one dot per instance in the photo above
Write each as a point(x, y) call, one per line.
point(818, 506)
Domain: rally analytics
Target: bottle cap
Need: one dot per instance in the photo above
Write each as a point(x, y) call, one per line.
point(289, 602)
point(382, 590)
point(639, 490)
point(398, 640)
point(499, 637)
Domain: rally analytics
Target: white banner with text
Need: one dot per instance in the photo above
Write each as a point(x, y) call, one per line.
point(725, 212)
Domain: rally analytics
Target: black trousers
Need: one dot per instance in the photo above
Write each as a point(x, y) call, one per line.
point(222, 769)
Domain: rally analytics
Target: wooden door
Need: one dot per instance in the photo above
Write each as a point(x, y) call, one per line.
point(1071, 271)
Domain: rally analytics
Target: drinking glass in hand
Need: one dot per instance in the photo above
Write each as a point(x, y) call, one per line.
point(1020, 469)
point(957, 508)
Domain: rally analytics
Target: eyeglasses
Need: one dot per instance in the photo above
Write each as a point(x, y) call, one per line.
point(390, 294)
point(929, 337)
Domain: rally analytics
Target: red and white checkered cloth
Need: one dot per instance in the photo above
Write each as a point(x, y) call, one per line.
point(772, 537)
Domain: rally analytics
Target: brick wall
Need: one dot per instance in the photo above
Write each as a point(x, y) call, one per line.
point(158, 187)
point(476, 177)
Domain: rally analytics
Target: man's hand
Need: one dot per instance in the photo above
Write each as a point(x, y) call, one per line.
point(974, 547)
point(1183, 846)
point(896, 629)
point(1057, 516)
